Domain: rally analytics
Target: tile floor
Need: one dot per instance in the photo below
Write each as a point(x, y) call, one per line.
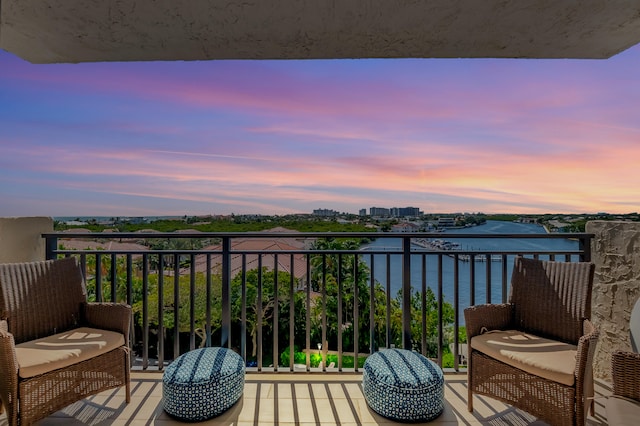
point(292, 399)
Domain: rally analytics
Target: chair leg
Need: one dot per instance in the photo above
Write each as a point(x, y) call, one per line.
point(469, 390)
point(592, 408)
point(469, 382)
point(127, 376)
point(128, 384)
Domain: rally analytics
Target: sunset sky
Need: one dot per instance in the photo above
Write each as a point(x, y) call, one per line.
point(278, 137)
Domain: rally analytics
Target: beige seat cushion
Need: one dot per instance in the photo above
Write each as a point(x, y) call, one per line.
point(63, 349)
point(622, 411)
point(545, 358)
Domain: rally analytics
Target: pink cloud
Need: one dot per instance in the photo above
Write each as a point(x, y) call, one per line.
point(267, 135)
point(536, 180)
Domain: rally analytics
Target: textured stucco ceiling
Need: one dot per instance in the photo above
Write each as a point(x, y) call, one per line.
point(44, 31)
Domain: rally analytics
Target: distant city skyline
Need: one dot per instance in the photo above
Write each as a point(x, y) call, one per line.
point(285, 137)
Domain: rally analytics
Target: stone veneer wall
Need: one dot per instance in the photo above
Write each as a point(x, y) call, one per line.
point(21, 238)
point(616, 254)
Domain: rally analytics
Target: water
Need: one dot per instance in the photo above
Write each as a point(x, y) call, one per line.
point(464, 281)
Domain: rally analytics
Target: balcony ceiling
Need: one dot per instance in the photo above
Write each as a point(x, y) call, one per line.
point(144, 30)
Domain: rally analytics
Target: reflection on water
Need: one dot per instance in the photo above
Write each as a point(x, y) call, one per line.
point(495, 267)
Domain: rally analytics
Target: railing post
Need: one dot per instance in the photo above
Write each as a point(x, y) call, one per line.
point(276, 312)
point(260, 308)
point(192, 302)
point(145, 311)
point(208, 304)
point(356, 313)
point(98, 277)
point(372, 312)
point(161, 330)
point(292, 308)
point(423, 304)
point(243, 313)
point(388, 299)
point(176, 305)
point(114, 277)
point(440, 298)
point(584, 244)
point(487, 260)
point(340, 318)
point(406, 293)
point(226, 292)
point(324, 342)
point(51, 246)
point(308, 310)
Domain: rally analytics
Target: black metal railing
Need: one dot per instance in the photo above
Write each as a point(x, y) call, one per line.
point(306, 301)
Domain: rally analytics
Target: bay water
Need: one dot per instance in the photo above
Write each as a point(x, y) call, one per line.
point(464, 267)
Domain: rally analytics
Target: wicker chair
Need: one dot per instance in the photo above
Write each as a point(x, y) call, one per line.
point(55, 348)
point(623, 407)
point(536, 351)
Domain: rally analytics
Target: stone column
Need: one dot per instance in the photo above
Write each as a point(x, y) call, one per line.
point(616, 254)
point(21, 238)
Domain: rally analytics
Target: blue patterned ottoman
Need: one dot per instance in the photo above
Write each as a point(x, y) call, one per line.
point(203, 383)
point(403, 385)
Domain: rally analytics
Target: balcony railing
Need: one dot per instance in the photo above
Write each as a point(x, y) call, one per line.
point(306, 301)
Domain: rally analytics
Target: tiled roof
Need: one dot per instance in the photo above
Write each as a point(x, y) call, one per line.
point(268, 260)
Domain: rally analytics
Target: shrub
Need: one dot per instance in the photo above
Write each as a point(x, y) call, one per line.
point(447, 360)
point(298, 357)
point(347, 360)
point(316, 358)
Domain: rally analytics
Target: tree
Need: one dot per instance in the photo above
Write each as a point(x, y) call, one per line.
point(331, 271)
point(431, 313)
point(264, 307)
point(327, 269)
point(184, 306)
point(106, 276)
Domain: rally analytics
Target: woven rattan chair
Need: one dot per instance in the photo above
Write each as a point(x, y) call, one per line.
point(623, 407)
point(55, 348)
point(536, 351)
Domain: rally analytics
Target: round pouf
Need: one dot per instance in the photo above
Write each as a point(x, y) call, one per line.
point(202, 383)
point(403, 385)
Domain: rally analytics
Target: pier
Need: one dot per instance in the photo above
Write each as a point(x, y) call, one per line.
point(448, 246)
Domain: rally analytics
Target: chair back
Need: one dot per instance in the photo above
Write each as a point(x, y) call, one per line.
point(41, 298)
point(552, 299)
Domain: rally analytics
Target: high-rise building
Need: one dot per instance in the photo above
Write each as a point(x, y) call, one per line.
point(379, 211)
point(405, 212)
point(325, 212)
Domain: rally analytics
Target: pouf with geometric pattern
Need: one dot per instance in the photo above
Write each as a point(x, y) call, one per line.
point(403, 385)
point(202, 383)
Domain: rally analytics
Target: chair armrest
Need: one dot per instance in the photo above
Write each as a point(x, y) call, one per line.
point(489, 316)
point(584, 369)
point(625, 373)
point(8, 368)
point(8, 360)
point(108, 316)
point(586, 349)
